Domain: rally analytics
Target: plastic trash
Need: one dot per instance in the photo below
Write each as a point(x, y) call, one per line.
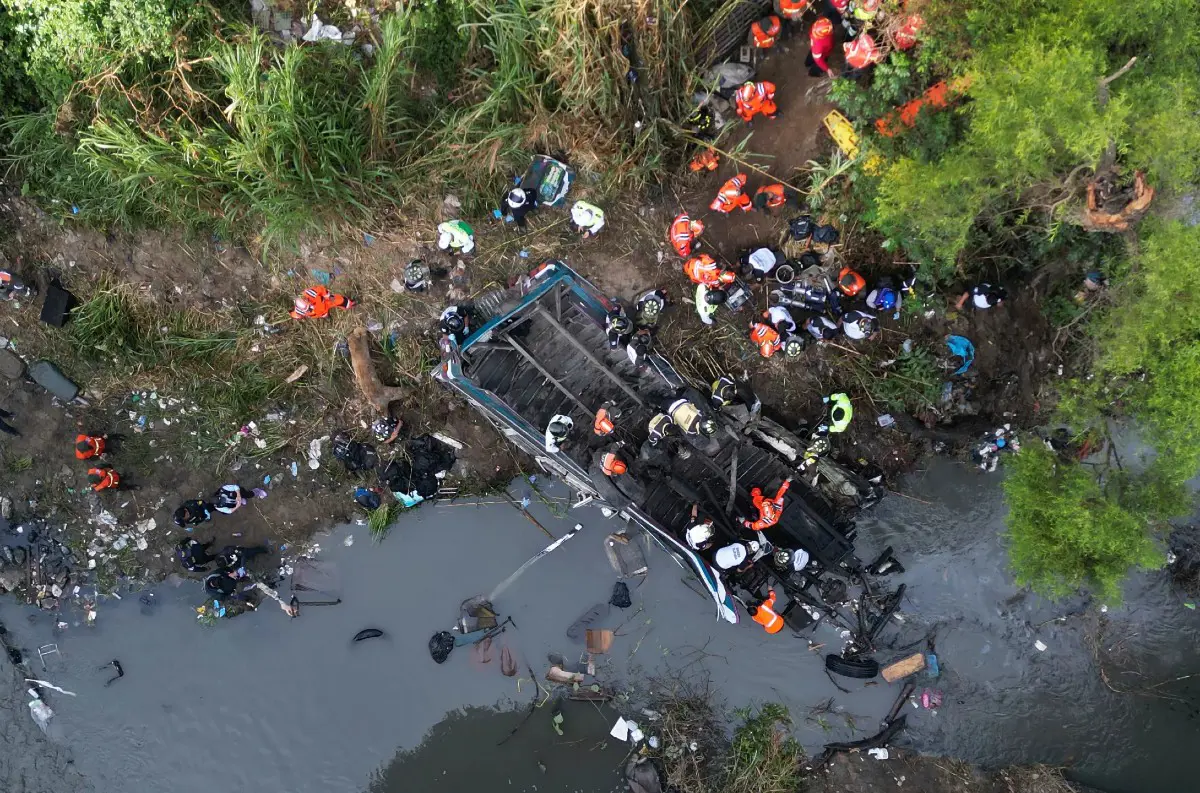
point(963, 348)
point(523, 254)
point(885, 420)
point(40, 712)
point(931, 698)
point(295, 470)
point(1040, 645)
point(368, 239)
point(620, 730)
point(931, 666)
point(879, 753)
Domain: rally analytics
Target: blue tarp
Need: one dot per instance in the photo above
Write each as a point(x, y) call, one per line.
point(963, 348)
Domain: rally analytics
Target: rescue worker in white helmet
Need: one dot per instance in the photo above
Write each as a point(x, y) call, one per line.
point(740, 555)
point(689, 418)
point(557, 432)
point(518, 203)
point(700, 534)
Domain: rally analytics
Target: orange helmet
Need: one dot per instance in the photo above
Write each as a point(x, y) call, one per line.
point(612, 465)
point(821, 29)
point(696, 227)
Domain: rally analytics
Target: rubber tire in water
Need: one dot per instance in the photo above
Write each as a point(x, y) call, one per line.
point(857, 668)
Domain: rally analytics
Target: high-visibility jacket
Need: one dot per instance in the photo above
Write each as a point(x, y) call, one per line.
point(706, 160)
point(603, 424)
point(865, 10)
point(659, 427)
point(108, 478)
point(731, 197)
point(317, 301)
point(686, 416)
point(767, 339)
point(703, 269)
point(764, 614)
point(773, 196)
point(588, 217)
point(754, 98)
point(765, 32)
point(612, 465)
point(683, 233)
point(95, 447)
point(791, 10)
point(820, 39)
point(905, 37)
point(461, 236)
point(862, 52)
point(841, 411)
point(724, 391)
point(769, 509)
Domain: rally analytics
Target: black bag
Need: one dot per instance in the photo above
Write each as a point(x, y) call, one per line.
point(801, 227)
point(620, 596)
point(826, 235)
point(440, 645)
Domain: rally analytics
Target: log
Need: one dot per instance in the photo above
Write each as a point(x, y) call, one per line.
point(378, 394)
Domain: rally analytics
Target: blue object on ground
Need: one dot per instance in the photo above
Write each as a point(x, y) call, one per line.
point(368, 239)
point(963, 348)
point(323, 277)
point(931, 665)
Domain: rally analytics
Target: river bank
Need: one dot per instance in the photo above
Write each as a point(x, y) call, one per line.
point(297, 705)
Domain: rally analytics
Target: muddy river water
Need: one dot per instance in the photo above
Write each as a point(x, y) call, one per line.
point(264, 703)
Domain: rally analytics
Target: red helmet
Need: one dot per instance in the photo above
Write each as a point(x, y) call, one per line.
point(821, 29)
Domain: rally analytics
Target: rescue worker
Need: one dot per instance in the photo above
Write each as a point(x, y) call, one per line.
point(791, 11)
point(700, 534)
point(386, 429)
point(683, 234)
point(517, 203)
point(703, 269)
point(230, 498)
point(708, 300)
point(822, 328)
point(769, 509)
point(193, 554)
point(649, 308)
point(759, 263)
point(316, 302)
point(638, 348)
point(611, 464)
point(795, 560)
point(557, 432)
point(840, 14)
point(770, 196)
point(688, 418)
point(89, 446)
point(220, 585)
point(850, 283)
point(764, 614)
point(865, 10)
point(456, 236)
point(193, 513)
point(765, 32)
point(793, 345)
point(779, 318)
point(235, 558)
point(587, 219)
point(860, 53)
point(754, 98)
point(706, 160)
point(618, 328)
point(841, 411)
point(603, 425)
point(859, 325)
point(103, 478)
point(820, 42)
point(725, 391)
point(660, 428)
point(731, 197)
point(765, 338)
point(884, 296)
point(739, 556)
point(455, 322)
point(983, 296)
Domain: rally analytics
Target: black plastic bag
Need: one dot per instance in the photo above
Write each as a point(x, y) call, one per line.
point(801, 227)
point(620, 596)
point(826, 235)
point(440, 645)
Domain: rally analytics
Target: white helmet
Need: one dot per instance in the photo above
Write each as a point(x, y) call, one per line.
point(444, 240)
point(730, 556)
point(699, 535)
point(302, 305)
point(516, 197)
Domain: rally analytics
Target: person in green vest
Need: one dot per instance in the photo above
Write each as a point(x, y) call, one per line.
point(840, 411)
point(587, 218)
point(456, 236)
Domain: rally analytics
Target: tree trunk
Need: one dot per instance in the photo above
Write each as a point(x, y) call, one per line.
point(378, 394)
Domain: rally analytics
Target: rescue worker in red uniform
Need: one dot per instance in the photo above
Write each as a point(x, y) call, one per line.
point(764, 614)
point(770, 196)
point(706, 160)
point(104, 478)
point(89, 446)
point(316, 302)
point(703, 269)
point(731, 195)
point(860, 53)
point(766, 338)
point(754, 98)
point(683, 233)
point(820, 42)
point(765, 32)
point(770, 510)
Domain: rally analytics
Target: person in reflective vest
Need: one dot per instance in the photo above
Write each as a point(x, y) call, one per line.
point(859, 325)
point(89, 446)
point(769, 509)
point(731, 197)
point(700, 534)
point(688, 418)
point(649, 308)
point(765, 32)
point(103, 478)
point(739, 556)
point(770, 196)
point(659, 428)
point(781, 319)
point(587, 218)
point(841, 411)
point(753, 98)
point(820, 42)
point(706, 160)
point(683, 233)
point(865, 10)
point(703, 269)
point(517, 203)
point(822, 328)
point(316, 302)
point(456, 236)
point(791, 10)
point(611, 464)
point(708, 299)
point(557, 432)
point(860, 53)
point(765, 338)
point(764, 614)
point(618, 328)
point(603, 425)
point(724, 391)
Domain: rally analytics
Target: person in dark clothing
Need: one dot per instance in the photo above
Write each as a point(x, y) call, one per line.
point(234, 559)
point(518, 203)
point(193, 513)
point(194, 555)
point(232, 497)
point(4, 425)
point(220, 585)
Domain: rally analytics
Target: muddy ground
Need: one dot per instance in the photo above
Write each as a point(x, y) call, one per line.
point(168, 458)
point(860, 773)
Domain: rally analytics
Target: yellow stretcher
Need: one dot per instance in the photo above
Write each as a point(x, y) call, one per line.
point(843, 134)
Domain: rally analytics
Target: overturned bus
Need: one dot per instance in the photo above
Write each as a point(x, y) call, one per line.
point(539, 350)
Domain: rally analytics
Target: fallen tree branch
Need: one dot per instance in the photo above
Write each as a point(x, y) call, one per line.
point(379, 395)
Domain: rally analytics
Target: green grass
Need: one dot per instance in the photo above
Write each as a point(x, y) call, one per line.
point(18, 464)
point(380, 521)
point(913, 384)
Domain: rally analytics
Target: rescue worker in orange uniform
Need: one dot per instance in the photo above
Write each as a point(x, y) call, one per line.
point(850, 283)
point(791, 11)
point(731, 196)
point(820, 42)
point(769, 509)
point(766, 338)
point(89, 446)
point(104, 478)
point(703, 269)
point(754, 98)
point(317, 301)
point(612, 464)
point(770, 196)
point(603, 425)
point(764, 614)
point(860, 53)
point(706, 160)
point(765, 32)
point(683, 233)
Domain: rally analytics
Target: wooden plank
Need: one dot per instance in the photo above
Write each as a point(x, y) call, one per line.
point(904, 667)
point(577, 344)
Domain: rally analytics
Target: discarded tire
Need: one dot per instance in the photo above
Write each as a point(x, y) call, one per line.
point(368, 633)
point(858, 668)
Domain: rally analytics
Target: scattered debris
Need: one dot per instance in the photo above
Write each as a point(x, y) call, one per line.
point(904, 667)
